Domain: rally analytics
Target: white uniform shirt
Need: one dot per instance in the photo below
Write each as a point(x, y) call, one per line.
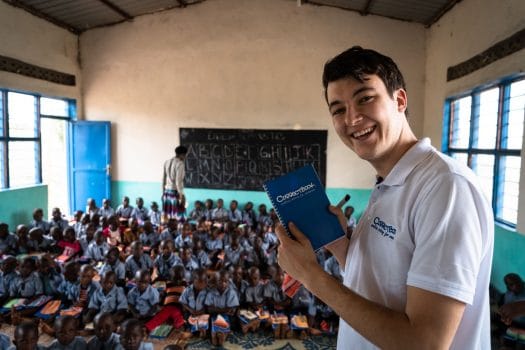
point(427, 225)
point(174, 175)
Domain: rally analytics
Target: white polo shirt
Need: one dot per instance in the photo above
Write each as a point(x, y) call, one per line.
point(427, 225)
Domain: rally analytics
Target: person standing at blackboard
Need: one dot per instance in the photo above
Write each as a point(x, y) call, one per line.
point(173, 182)
point(416, 270)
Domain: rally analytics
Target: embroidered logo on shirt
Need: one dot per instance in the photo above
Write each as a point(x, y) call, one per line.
point(383, 228)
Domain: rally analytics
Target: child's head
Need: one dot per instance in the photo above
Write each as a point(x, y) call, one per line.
point(26, 336)
point(9, 264)
point(22, 231)
point(133, 224)
point(254, 276)
point(208, 203)
point(56, 233)
point(197, 245)
point(131, 334)
point(86, 219)
point(4, 230)
point(142, 279)
point(185, 254)
point(140, 202)
point(56, 214)
point(46, 264)
point(91, 203)
point(28, 266)
point(222, 280)
point(69, 234)
point(186, 229)
point(106, 203)
point(233, 205)
point(112, 222)
point(349, 211)
point(87, 272)
point(514, 283)
point(237, 273)
point(200, 279)
point(172, 224)
point(78, 215)
point(166, 247)
point(198, 204)
point(277, 274)
point(104, 326)
point(71, 270)
point(248, 206)
point(234, 242)
point(36, 234)
point(125, 201)
point(177, 274)
point(90, 232)
point(112, 255)
point(148, 227)
point(262, 209)
point(38, 214)
point(136, 249)
point(220, 203)
point(154, 206)
point(108, 281)
point(99, 236)
point(65, 329)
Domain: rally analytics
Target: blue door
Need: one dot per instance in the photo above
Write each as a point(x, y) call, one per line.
point(89, 162)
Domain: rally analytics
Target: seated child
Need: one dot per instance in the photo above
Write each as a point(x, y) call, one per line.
point(254, 292)
point(114, 264)
point(7, 277)
point(215, 247)
point(185, 239)
point(39, 222)
point(233, 252)
point(131, 233)
point(7, 240)
point(22, 233)
point(155, 215)
point(57, 220)
point(171, 309)
point(239, 283)
point(37, 242)
point(198, 252)
point(105, 336)
point(26, 337)
point(112, 232)
point(66, 335)
point(137, 260)
point(87, 238)
point(49, 275)
point(193, 298)
point(149, 237)
point(277, 301)
point(143, 299)
point(132, 336)
point(77, 290)
point(98, 249)
point(165, 260)
point(108, 298)
point(222, 303)
point(70, 245)
point(170, 232)
point(28, 284)
point(188, 261)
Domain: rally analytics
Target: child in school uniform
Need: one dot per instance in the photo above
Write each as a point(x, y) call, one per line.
point(39, 222)
point(277, 301)
point(7, 277)
point(106, 210)
point(171, 309)
point(124, 211)
point(170, 232)
point(108, 298)
point(185, 239)
point(140, 212)
point(113, 263)
point(66, 335)
point(239, 283)
point(222, 303)
point(200, 254)
point(233, 253)
point(155, 215)
point(98, 249)
point(137, 260)
point(143, 299)
point(188, 261)
point(87, 238)
point(25, 337)
point(105, 337)
point(78, 291)
point(37, 242)
point(57, 220)
point(165, 260)
point(215, 248)
point(193, 298)
point(8, 241)
point(132, 336)
point(28, 284)
point(149, 237)
point(49, 275)
point(22, 235)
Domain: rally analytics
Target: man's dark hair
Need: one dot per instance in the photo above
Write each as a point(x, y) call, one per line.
point(180, 150)
point(357, 62)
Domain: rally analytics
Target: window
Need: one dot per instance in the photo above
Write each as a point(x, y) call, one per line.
point(484, 129)
point(20, 135)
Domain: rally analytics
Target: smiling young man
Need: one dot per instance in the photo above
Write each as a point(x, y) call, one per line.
point(417, 267)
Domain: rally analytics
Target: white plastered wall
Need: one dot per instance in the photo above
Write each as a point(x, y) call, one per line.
point(470, 28)
point(233, 64)
point(33, 40)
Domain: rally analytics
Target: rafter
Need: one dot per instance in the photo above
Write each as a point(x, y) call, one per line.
point(117, 9)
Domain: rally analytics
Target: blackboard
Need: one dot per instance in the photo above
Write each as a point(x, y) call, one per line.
point(243, 159)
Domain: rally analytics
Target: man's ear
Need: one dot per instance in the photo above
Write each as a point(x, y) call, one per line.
point(400, 96)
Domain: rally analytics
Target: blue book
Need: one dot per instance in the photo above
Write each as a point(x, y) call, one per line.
point(300, 198)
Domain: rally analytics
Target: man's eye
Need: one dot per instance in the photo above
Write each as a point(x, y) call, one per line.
point(365, 99)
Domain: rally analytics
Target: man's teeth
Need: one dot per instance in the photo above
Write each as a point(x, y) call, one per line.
point(363, 132)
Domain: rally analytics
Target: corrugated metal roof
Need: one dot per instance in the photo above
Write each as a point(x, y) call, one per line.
point(81, 15)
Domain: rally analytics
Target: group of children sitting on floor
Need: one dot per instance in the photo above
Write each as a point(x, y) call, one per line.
point(205, 272)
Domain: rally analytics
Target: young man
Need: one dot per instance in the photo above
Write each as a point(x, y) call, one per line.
point(416, 269)
point(173, 182)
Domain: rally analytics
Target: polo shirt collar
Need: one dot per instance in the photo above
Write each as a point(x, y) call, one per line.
point(415, 155)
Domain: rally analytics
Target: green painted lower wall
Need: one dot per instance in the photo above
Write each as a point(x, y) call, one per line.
point(509, 246)
point(17, 205)
point(509, 255)
point(151, 191)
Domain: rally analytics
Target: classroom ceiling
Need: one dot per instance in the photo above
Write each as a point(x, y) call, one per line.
point(80, 15)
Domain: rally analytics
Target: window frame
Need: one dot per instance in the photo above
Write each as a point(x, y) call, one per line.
point(5, 139)
point(499, 151)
